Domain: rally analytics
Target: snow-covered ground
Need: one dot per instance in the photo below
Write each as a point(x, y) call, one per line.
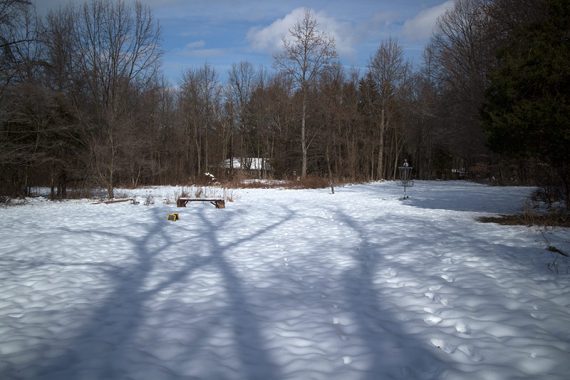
point(284, 284)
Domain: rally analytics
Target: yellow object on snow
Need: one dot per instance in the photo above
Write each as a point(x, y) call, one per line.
point(174, 217)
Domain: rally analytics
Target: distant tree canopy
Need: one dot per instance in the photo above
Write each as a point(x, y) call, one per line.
point(526, 112)
point(84, 105)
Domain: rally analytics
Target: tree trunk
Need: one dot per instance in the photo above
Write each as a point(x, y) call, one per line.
point(110, 181)
point(380, 167)
point(52, 182)
point(304, 137)
point(198, 152)
point(331, 182)
point(110, 185)
point(372, 165)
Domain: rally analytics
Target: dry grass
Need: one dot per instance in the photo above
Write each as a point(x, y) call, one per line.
point(313, 183)
point(202, 192)
point(229, 195)
point(237, 184)
point(76, 194)
point(6, 201)
point(199, 192)
point(557, 218)
point(551, 219)
point(306, 183)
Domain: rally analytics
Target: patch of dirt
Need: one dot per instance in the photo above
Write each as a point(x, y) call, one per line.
point(526, 219)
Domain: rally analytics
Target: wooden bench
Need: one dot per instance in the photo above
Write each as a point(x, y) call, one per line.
point(219, 203)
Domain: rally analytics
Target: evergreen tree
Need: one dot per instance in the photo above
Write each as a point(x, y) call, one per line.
point(526, 113)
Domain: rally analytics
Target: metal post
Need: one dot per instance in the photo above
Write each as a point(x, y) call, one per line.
point(406, 177)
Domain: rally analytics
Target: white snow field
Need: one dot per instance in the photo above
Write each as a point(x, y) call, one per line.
point(284, 284)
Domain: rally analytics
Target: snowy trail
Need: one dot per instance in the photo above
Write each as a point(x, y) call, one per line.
point(283, 285)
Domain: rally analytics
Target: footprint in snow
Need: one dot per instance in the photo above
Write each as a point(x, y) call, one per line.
point(470, 352)
point(441, 300)
point(442, 345)
point(448, 278)
point(462, 328)
point(338, 329)
point(432, 320)
point(436, 298)
point(388, 273)
point(537, 316)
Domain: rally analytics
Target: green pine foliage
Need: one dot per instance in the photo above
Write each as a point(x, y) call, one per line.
point(527, 107)
point(526, 113)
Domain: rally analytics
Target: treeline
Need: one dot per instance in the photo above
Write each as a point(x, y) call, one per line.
point(83, 102)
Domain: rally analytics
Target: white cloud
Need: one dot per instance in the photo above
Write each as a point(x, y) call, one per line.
point(198, 49)
point(269, 38)
point(422, 25)
point(195, 45)
point(203, 53)
point(383, 19)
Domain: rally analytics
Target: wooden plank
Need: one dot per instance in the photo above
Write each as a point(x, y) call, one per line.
point(219, 203)
point(200, 199)
point(119, 200)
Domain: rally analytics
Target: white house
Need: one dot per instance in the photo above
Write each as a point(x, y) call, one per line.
point(253, 165)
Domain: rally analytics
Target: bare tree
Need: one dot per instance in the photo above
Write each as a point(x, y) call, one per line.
point(12, 14)
point(200, 106)
point(306, 53)
point(21, 142)
point(58, 40)
point(16, 29)
point(463, 54)
point(117, 50)
point(268, 129)
point(390, 73)
point(242, 82)
point(332, 105)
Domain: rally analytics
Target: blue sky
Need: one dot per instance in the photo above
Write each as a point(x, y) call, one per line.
point(222, 32)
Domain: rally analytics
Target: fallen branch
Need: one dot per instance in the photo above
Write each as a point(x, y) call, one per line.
point(552, 248)
point(109, 201)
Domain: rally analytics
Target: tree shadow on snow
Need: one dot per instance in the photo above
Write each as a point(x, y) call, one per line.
point(251, 348)
point(392, 352)
point(470, 198)
point(105, 345)
point(99, 348)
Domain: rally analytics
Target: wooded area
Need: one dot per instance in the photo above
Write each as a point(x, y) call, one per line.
point(83, 102)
